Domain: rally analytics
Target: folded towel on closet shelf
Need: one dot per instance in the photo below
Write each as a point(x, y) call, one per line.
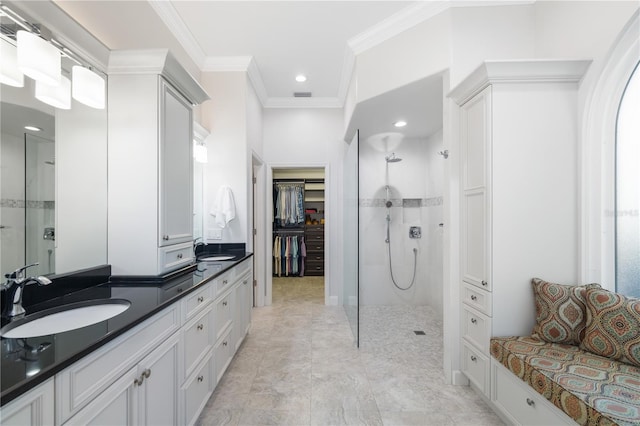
point(224, 209)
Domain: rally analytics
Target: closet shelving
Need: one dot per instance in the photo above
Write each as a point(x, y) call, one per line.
point(291, 230)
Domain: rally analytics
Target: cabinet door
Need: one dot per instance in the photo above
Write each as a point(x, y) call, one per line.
point(33, 408)
point(117, 405)
point(175, 162)
point(475, 134)
point(158, 393)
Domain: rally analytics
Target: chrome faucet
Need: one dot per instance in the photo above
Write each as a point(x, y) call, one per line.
point(14, 287)
point(197, 244)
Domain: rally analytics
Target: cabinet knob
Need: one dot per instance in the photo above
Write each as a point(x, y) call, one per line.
point(224, 282)
point(484, 283)
point(473, 320)
point(245, 282)
point(180, 290)
point(179, 255)
point(146, 373)
point(165, 237)
point(474, 297)
point(531, 402)
point(200, 299)
point(224, 303)
point(224, 343)
point(138, 382)
point(200, 378)
point(473, 358)
point(200, 326)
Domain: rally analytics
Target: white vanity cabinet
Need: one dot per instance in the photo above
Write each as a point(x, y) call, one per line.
point(518, 140)
point(150, 162)
point(35, 407)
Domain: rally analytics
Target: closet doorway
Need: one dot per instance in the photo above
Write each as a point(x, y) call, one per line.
point(298, 228)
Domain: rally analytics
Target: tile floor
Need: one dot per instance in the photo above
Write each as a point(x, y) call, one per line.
point(298, 366)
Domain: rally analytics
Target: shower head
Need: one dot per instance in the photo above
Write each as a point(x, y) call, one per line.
point(392, 158)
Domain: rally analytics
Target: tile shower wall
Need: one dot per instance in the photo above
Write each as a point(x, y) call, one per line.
point(416, 192)
point(12, 203)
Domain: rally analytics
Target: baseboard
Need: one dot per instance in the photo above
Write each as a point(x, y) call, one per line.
point(459, 379)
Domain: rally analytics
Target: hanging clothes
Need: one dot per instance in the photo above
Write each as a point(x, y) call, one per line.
point(289, 253)
point(289, 204)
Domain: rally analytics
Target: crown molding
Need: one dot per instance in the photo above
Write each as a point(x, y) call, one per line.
point(256, 80)
point(348, 65)
point(303, 103)
point(519, 71)
point(226, 63)
point(175, 24)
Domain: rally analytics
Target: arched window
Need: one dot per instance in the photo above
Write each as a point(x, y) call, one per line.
point(627, 189)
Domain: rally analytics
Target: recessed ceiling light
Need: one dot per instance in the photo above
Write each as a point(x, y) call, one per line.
point(400, 123)
point(33, 128)
point(301, 78)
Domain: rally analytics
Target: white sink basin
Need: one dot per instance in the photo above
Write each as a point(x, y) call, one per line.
point(64, 318)
point(213, 258)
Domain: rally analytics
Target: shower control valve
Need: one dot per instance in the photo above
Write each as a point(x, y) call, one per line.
point(415, 232)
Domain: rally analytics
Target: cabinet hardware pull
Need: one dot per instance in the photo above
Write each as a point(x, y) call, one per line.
point(473, 358)
point(165, 237)
point(473, 320)
point(224, 303)
point(474, 297)
point(531, 402)
point(200, 326)
point(200, 299)
point(245, 282)
point(224, 282)
point(146, 373)
point(179, 255)
point(138, 382)
point(200, 378)
point(484, 283)
point(180, 290)
point(224, 343)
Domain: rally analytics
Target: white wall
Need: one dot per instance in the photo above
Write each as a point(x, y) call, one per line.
point(225, 115)
point(312, 138)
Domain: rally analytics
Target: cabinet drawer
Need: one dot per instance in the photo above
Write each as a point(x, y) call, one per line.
point(81, 382)
point(198, 389)
point(314, 268)
point(223, 314)
point(222, 354)
point(476, 328)
point(223, 282)
point(198, 340)
point(243, 268)
point(476, 298)
point(476, 367)
point(520, 403)
point(315, 258)
point(313, 237)
point(195, 301)
point(174, 256)
point(314, 246)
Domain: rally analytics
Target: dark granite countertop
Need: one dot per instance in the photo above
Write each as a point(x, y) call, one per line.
point(28, 362)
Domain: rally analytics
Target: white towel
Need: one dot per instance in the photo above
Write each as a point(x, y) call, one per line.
point(224, 209)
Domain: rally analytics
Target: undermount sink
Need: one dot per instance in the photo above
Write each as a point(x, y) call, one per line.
point(217, 257)
point(64, 318)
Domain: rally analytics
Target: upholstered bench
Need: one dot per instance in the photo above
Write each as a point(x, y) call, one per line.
point(590, 389)
point(583, 358)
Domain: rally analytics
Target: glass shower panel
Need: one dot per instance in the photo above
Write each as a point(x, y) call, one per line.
point(351, 237)
point(39, 204)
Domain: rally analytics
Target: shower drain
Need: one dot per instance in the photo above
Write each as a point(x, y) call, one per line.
point(419, 333)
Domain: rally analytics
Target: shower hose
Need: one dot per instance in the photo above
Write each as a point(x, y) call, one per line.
point(415, 261)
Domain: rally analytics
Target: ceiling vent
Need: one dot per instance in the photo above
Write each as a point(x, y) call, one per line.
point(301, 94)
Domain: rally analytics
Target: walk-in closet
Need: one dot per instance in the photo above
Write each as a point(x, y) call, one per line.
point(298, 222)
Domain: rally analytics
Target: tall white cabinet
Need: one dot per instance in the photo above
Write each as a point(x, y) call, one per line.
point(150, 213)
point(518, 140)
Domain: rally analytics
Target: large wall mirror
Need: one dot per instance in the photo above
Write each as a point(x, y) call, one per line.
point(53, 181)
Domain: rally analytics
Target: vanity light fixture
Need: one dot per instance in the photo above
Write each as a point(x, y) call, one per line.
point(400, 123)
point(39, 59)
point(10, 74)
point(301, 78)
point(56, 96)
point(33, 128)
point(88, 87)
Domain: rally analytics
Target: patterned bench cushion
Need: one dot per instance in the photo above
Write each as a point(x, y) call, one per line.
point(590, 389)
